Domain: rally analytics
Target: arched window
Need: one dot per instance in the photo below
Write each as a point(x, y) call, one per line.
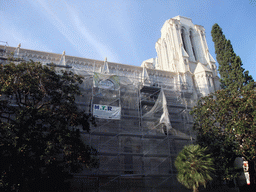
point(183, 39)
point(192, 44)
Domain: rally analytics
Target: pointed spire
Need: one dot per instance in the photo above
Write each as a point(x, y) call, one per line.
point(105, 68)
point(145, 75)
point(63, 59)
point(17, 51)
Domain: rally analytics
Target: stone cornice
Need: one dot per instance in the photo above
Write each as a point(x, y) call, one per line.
point(87, 64)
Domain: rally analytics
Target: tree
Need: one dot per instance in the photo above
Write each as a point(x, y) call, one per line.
point(225, 120)
point(39, 135)
point(238, 83)
point(222, 150)
point(227, 123)
point(233, 75)
point(194, 166)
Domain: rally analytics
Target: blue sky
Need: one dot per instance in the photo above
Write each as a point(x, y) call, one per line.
point(123, 31)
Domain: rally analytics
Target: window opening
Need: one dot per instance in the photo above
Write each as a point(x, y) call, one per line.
point(209, 82)
point(183, 39)
point(192, 44)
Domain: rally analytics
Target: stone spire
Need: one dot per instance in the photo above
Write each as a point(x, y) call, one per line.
point(105, 68)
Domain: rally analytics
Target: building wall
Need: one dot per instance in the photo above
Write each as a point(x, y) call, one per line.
point(137, 151)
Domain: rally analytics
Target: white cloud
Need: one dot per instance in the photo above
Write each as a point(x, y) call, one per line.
point(79, 25)
point(73, 29)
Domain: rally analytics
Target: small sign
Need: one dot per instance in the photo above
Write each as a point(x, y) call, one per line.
point(106, 111)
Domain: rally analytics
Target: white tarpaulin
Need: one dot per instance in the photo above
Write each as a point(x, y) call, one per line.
point(160, 105)
point(106, 111)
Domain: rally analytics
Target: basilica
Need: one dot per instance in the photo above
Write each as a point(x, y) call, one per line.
point(142, 113)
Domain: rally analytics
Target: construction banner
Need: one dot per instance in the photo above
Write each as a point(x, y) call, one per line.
point(104, 81)
point(106, 112)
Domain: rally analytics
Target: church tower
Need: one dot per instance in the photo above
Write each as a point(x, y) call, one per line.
point(183, 49)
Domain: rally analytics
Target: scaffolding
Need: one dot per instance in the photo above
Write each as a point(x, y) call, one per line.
point(138, 142)
point(138, 150)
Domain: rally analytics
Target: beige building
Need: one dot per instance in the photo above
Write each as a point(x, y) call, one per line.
point(142, 112)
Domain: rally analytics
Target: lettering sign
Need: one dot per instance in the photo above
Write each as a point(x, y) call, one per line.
point(106, 111)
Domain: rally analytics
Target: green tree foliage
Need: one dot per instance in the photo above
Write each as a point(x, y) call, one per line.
point(233, 75)
point(40, 143)
point(234, 117)
point(194, 166)
point(225, 120)
point(226, 125)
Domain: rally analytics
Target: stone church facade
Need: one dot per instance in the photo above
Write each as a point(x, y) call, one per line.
point(183, 49)
point(142, 113)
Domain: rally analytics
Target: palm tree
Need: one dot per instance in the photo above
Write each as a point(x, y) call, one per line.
point(194, 166)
